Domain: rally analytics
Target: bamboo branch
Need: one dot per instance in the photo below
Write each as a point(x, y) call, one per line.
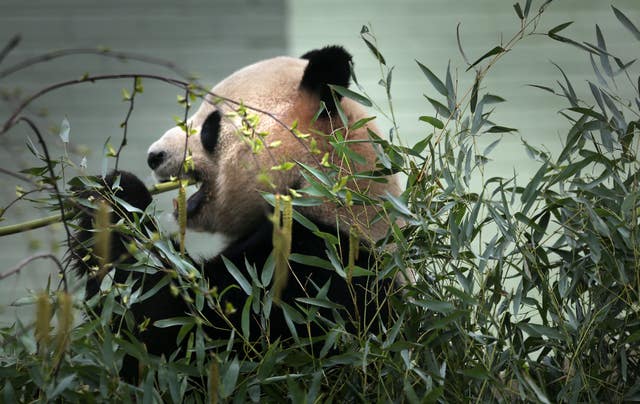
point(46, 221)
point(27, 260)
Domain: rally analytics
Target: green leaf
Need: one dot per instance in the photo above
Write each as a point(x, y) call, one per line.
point(537, 390)
point(375, 51)
point(237, 275)
point(8, 393)
point(398, 204)
point(451, 93)
point(433, 79)
point(495, 51)
point(531, 190)
point(229, 378)
point(319, 302)
point(539, 330)
point(563, 39)
point(527, 7)
point(604, 57)
point(545, 88)
point(569, 92)
point(138, 87)
point(290, 315)
point(66, 383)
point(626, 22)
point(433, 121)
point(174, 321)
point(439, 107)
point(519, 12)
point(361, 122)
point(474, 93)
point(310, 260)
point(317, 174)
point(599, 224)
point(345, 92)
point(393, 333)
point(491, 146)
point(437, 306)
point(492, 99)
point(286, 166)
point(246, 313)
point(559, 28)
point(500, 129)
point(477, 372)
point(589, 112)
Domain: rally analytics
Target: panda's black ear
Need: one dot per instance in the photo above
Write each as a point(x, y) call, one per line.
point(210, 131)
point(329, 65)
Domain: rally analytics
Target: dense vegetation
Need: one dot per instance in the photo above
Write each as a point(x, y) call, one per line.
point(526, 289)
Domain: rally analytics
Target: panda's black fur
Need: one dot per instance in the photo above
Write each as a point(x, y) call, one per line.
point(371, 294)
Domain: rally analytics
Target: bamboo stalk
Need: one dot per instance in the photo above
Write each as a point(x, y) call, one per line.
point(46, 221)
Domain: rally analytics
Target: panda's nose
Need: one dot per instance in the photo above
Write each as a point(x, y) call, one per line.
point(154, 159)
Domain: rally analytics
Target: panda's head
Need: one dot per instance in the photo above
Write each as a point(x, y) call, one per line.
point(279, 92)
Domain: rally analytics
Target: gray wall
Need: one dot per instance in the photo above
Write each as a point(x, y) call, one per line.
point(209, 39)
point(426, 30)
point(214, 38)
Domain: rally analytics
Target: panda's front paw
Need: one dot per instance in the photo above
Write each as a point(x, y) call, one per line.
point(130, 188)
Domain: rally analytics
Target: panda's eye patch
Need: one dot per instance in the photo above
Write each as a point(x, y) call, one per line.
point(210, 130)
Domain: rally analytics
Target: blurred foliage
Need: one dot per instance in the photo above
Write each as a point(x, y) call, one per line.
point(526, 289)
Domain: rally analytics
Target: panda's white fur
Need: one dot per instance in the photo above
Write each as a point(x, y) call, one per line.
point(229, 176)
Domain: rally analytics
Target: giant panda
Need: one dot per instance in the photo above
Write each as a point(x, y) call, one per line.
point(279, 94)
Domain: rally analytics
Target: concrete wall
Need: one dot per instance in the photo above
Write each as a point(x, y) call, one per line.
point(407, 30)
point(212, 39)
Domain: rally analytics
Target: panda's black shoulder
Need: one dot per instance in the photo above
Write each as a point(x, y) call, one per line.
point(120, 184)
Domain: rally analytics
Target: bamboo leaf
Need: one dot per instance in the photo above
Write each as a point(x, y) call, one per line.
point(351, 94)
point(527, 7)
point(375, 51)
point(539, 330)
point(246, 313)
point(174, 321)
point(519, 12)
point(563, 39)
point(495, 51)
point(451, 93)
point(398, 204)
point(474, 94)
point(604, 57)
point(559, 28)
point(599, 75)
point(237, 275)
point(545, 88)
point(361, 122)
point(500, 129)
point(439, 107)
point(531, 190)
point(433, 121)
point(569, 92)
point(229, 378)
point(433, 79)
point(626, 22)
point(490, 148)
